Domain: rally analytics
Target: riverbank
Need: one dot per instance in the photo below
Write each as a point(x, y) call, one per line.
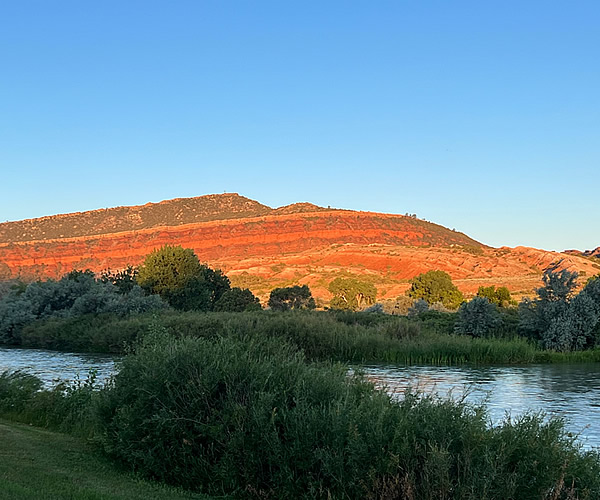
point(37, 464)
point(345, 337)
point(255, 418)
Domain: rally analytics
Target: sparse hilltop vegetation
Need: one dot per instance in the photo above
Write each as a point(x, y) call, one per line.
point(261, 248)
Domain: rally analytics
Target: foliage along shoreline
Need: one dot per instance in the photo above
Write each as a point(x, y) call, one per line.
point(172, 289)
point(218, 396)
point(321, 335)
point(254, 418)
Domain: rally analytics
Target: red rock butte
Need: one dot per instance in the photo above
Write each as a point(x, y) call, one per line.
point(261, 248)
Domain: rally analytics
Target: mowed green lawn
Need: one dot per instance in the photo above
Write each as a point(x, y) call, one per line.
point(37, 464)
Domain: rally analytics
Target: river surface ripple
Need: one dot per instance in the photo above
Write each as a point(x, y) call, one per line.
point(570, 391)
point(51, 366)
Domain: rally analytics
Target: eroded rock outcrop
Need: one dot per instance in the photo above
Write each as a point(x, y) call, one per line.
point(260, 247)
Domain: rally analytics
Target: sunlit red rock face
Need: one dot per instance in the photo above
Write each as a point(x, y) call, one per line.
point(261, 248)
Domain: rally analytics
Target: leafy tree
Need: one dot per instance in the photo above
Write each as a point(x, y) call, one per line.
point(14, 315)
point(559, 318)
point(477, 318)
point(176, 274)
point(351, 293)
point(75, 294)
point(418, 306)
point(291, 297)
point(238, 300)
point(536, 315)
point(124, 280)
point(499, 296)
point(168, 269)
point(434, 287)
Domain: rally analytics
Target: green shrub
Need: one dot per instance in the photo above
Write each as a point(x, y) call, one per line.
point(16, 389)
point(67, 407)
point(237, 300)
point(499, 296)
point(477, 318)
point(291, 298)
point(251, 418)
point(434, 287)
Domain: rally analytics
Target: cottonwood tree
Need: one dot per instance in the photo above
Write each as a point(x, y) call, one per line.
point(291, 297)
point(176, 274)
point(436, 287)
point(351, 294)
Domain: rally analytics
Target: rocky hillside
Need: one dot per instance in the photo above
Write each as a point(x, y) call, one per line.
point(594, 254)
point(260, 247)
point(121, 219)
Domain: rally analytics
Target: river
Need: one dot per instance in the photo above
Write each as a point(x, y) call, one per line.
point(571, 391)
point(51, 366)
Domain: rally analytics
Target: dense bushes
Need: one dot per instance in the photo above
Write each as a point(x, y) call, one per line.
point(251, 418)
point(67, 407)
point(291, 298)
point(559, 318)
point(77, 293)
point(499, 296)
point(343, 336)
point(237, 300)
point(477, 318)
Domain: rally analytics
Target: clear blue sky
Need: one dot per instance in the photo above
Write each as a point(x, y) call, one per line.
point(483, 116)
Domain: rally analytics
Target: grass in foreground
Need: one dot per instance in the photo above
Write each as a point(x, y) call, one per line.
point(42, 465)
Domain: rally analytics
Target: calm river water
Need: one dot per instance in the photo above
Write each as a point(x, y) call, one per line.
point(570, 391)
point(52, 365)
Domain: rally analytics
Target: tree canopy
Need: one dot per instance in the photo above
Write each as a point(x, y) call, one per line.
point(351, 293)
point(176, 274)
point(558, 317)
point(436, 287)
point(499, 296)
point(238, 300)
point(291, 297)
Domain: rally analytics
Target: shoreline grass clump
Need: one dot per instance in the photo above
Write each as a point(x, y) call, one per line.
point(252, 418)
point(346, 337)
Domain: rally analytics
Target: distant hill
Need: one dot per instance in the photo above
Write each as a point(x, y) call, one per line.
point(586, 253)
point(260, 247)
point(119, 219)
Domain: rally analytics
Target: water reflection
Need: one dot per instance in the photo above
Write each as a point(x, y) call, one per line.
point(568, 391)
point(51, 366)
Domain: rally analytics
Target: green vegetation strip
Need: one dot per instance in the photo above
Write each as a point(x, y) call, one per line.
point(38, 464)
point(347, 337)
point(253, 418)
